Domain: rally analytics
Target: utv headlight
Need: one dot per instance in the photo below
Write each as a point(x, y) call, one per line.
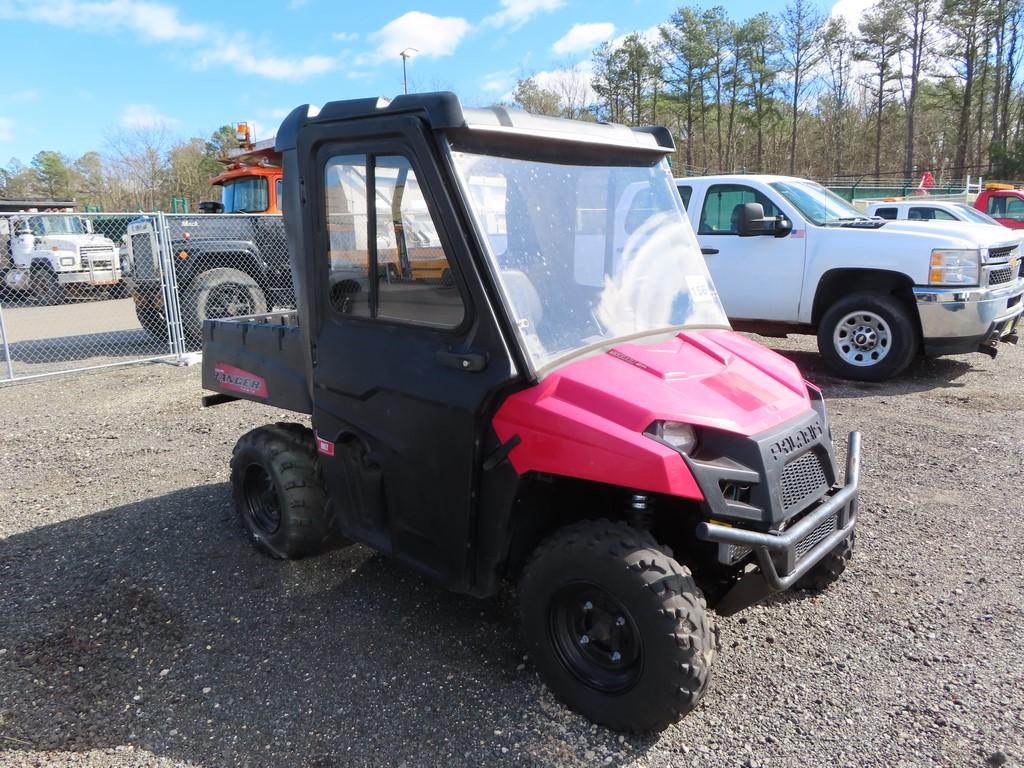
point(954, 267)
point(674, 433)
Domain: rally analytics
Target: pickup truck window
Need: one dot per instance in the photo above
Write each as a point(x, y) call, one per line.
point(1013, 208)
point(413, 282)
point(887, 213)
point(929, 214)
point(816, 203)
point(971, 213)
point(723, 205)
point(685, 193)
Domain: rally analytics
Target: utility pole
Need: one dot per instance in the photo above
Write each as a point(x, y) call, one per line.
point(406, 54)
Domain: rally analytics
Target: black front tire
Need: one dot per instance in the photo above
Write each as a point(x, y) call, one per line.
point(217, 293)
point(659, 626)
point(828, 570)
point(279, 492)
point(878, 361)
point(45, 286)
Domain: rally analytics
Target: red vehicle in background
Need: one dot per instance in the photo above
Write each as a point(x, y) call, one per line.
point(1004, 203)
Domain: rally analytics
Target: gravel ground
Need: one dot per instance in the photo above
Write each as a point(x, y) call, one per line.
point(139, 628)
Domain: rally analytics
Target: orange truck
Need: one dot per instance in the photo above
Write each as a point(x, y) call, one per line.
point(251, 180)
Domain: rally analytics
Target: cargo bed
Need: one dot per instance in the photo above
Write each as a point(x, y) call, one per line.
point(256, 358)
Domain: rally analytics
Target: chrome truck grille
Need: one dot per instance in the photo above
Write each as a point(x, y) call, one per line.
point(142, 255)
point(1000, 276)
point(803, 480)
point(1002, 253)
point(97, 256)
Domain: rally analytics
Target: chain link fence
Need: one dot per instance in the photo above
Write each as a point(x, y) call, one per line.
point(79, 291)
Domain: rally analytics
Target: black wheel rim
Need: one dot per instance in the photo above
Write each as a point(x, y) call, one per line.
point(261, 502)
point(595, 637)
point(230, 300)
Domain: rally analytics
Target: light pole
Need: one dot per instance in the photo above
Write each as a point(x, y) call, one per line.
point(407, 53)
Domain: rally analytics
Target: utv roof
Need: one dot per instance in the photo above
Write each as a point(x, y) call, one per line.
point(443, 111)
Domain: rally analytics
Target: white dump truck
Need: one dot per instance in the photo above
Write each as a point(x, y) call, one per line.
point(53, 254)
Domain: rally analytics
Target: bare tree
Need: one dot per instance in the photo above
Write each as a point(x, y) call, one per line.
point(800, 26)
point(881, 39)
point(138, 159)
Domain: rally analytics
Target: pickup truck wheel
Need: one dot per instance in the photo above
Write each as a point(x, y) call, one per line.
point(829, 568)
point(867, 336)
point(617, 628)
point(45, 286)
point(279, 492)
point(216, 293)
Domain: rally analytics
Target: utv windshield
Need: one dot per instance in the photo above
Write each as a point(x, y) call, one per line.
point(588, 254)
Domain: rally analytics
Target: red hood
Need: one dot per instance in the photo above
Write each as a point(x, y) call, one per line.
point(587, 418)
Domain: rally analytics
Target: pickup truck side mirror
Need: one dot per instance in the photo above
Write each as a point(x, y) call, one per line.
point(752, 222)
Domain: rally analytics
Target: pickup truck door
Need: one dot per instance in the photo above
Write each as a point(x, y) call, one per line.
point(758, 278)
point(407, 355)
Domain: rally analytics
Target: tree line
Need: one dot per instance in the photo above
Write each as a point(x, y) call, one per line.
point(140, 169)
point(917, 85)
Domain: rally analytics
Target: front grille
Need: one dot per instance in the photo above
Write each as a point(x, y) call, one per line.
point(815, 537)
point(999, 276)
point(803, 479)
point(1002, 253)
point(142, 256)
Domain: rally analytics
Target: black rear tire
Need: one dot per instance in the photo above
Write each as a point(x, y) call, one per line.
point(154, 322)
point(829, 568)
point(217, 293)
point(279, 492)
point(883, 354)
point(650, 643)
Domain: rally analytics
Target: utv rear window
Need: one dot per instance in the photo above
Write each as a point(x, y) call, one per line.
point(386, 260)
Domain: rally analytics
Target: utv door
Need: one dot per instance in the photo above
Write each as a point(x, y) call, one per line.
point(408, 355)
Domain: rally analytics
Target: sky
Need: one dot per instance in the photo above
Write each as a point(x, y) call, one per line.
point(78, 70)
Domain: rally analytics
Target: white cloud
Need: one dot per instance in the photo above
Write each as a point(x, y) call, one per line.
point(572, 83)
point(432, 36)
point(294, 4)
point(238, 54)
point(151, 20)
point(583, 37)
point(651, 36)
point(145, 116)
point(851, 10)
point(500, 81)
point(6, 129)
point(158, 22)
point(23, 97)
point(346, 37)
point(515, 13)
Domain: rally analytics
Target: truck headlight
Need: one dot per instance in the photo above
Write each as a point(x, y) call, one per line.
point(954, 266)
point(675, 434)
point(67, 261)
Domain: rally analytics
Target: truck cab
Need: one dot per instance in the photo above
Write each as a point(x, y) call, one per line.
point(567, 409)
point(788, 256)
point(1004, 203)
point(54, 253)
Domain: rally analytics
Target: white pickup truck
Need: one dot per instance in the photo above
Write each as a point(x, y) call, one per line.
point(788, 256)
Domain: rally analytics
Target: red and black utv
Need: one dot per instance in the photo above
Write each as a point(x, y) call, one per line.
point(517, 367)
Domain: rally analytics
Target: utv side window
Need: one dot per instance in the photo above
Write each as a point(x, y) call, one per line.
point(347, 250)
point(401, 272)
point(723, 205)
point(416, 283)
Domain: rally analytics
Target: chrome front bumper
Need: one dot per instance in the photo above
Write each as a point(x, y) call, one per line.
point(955, 320)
